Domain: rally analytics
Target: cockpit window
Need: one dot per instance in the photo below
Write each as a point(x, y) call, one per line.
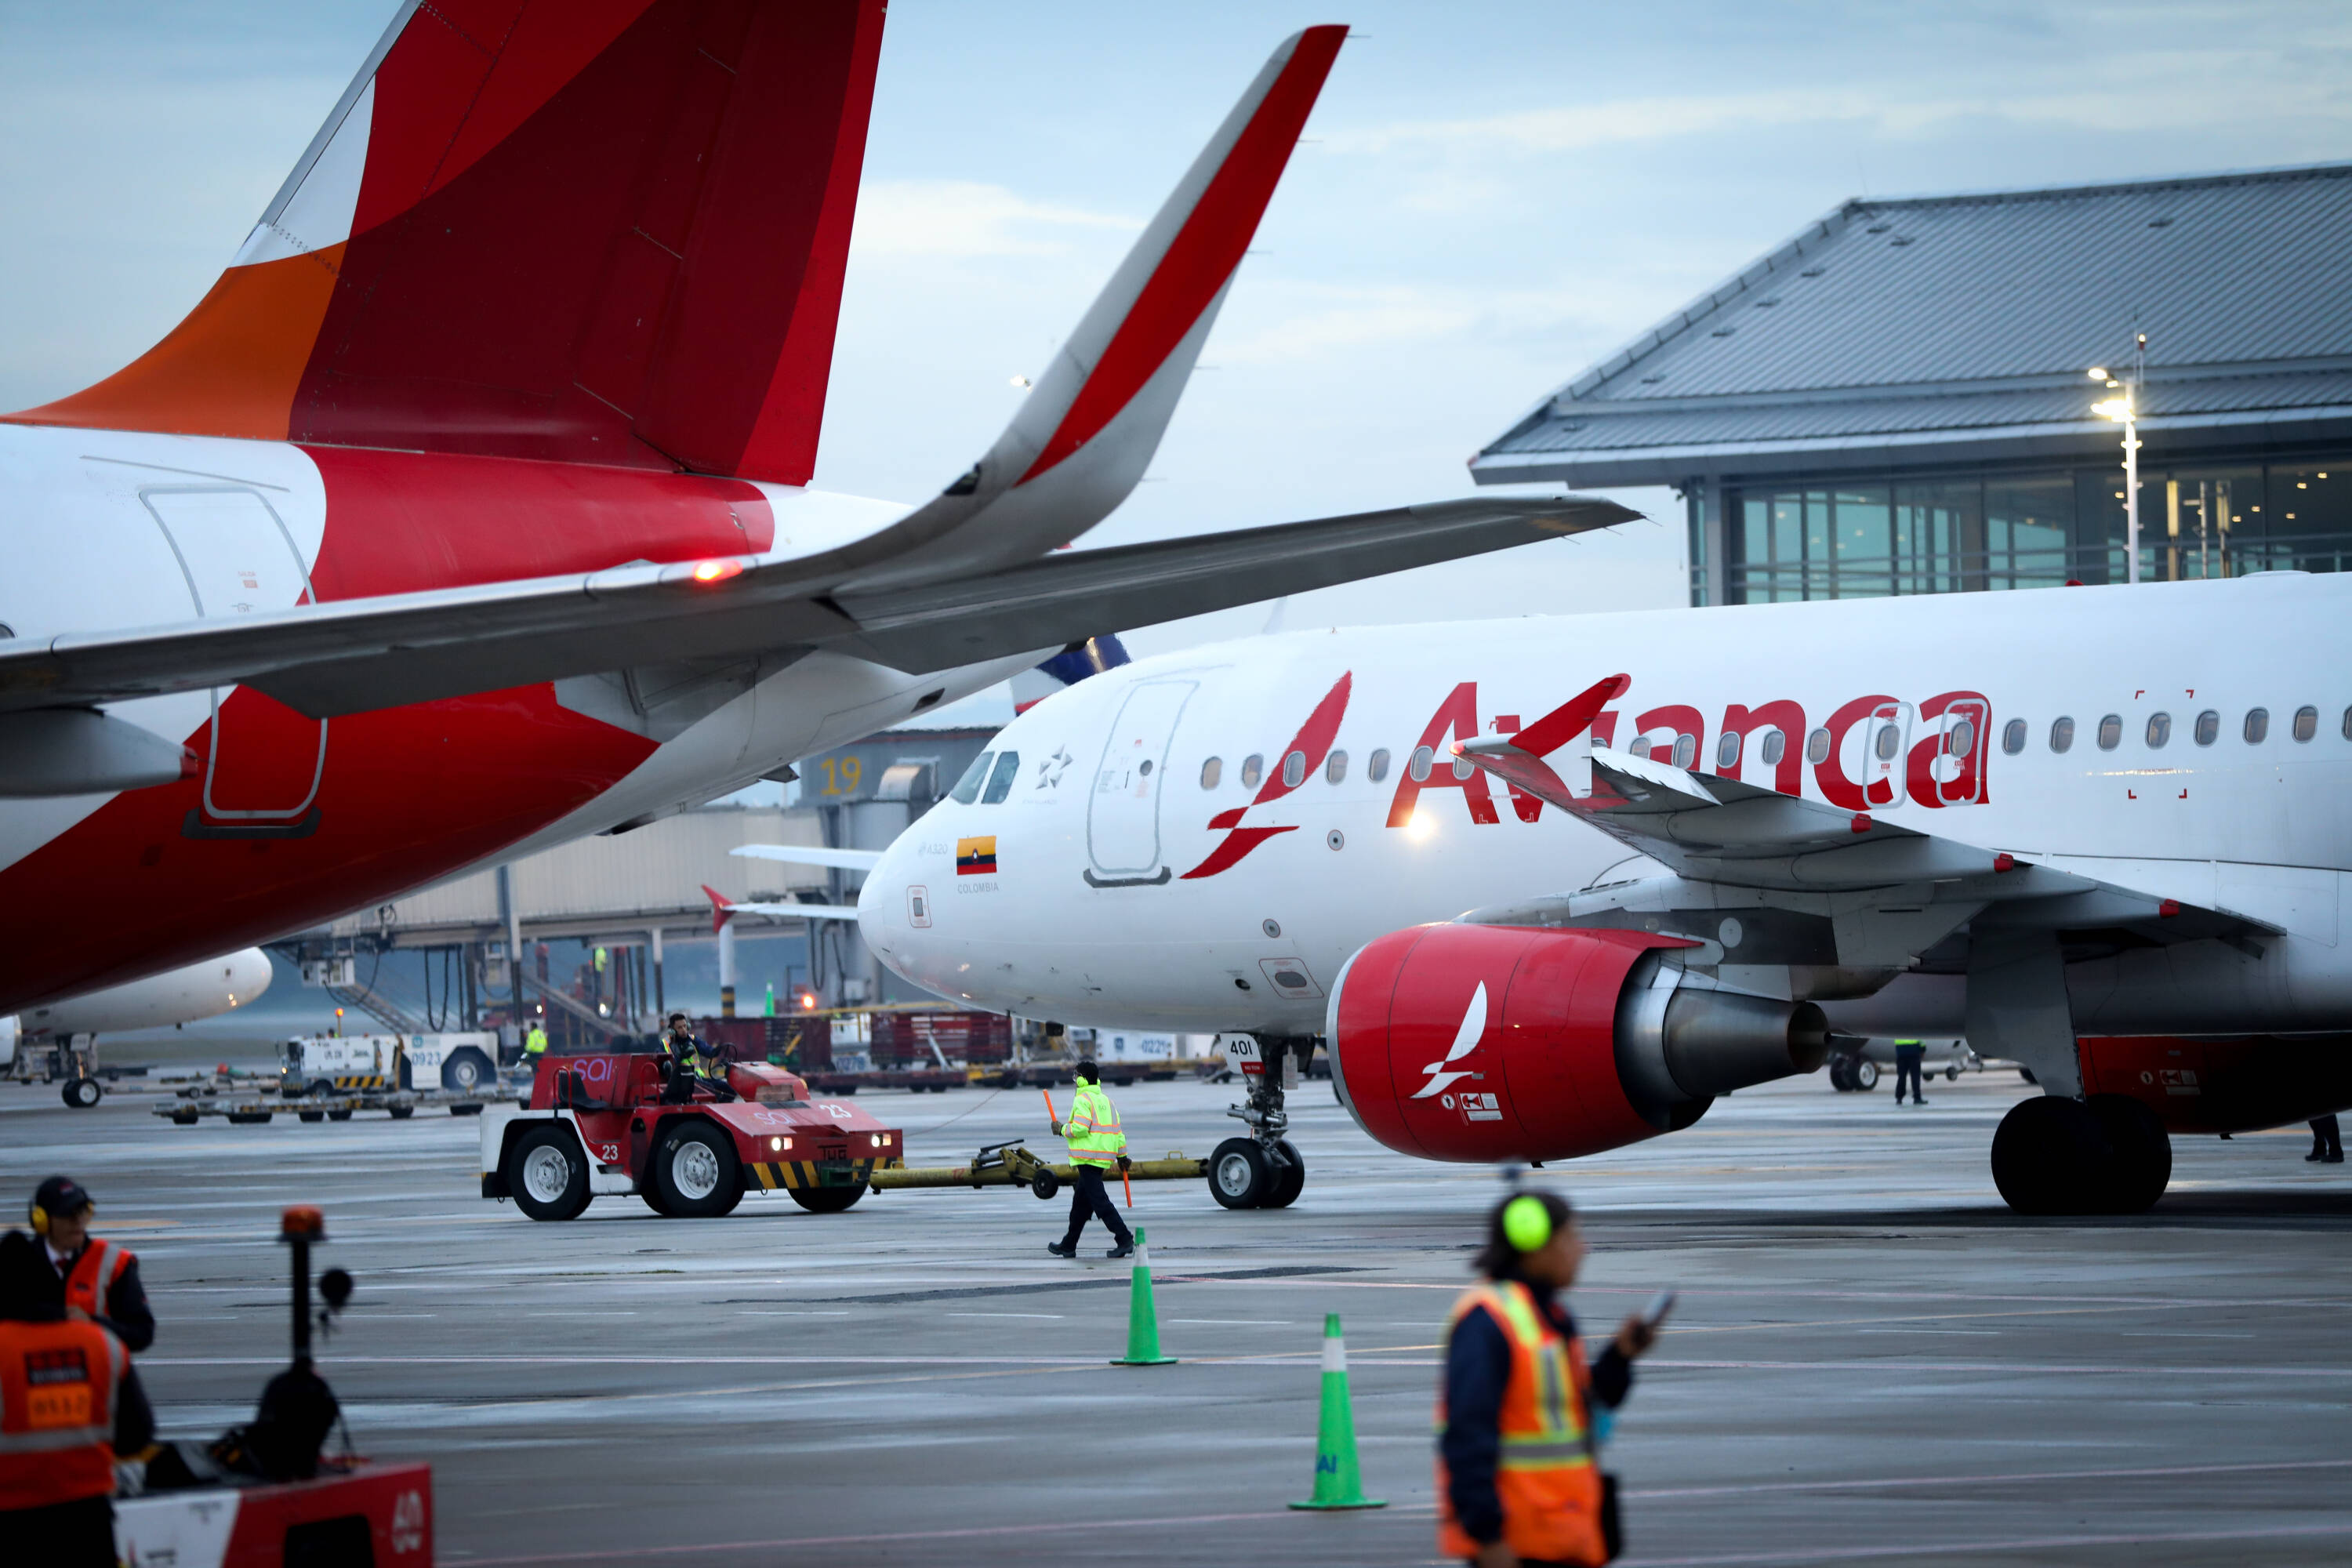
point(966, 789)
point(1000, 782)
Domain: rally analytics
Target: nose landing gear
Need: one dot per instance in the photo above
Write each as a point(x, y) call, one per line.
point(1263, 1170)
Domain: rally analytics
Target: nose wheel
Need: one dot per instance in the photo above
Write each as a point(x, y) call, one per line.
point(1264, 1169)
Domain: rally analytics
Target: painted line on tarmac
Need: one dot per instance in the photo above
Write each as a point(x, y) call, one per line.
point(2070, 1368)
point(2015, 1543)
point(964, 1533)
point(1884, 1483)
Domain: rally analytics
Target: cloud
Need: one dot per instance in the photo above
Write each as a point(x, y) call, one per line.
point(965, 217)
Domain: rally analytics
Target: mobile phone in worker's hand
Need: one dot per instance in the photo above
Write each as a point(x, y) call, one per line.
point(1660, 1305)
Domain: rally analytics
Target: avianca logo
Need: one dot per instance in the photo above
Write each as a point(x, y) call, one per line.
point(1312, 744)
point(1466, 1040)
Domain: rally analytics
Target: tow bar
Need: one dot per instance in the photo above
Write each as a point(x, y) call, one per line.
point(1008, 1164)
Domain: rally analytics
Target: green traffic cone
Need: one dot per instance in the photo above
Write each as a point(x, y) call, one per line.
point(1142, 1317)
point(1338, 1483)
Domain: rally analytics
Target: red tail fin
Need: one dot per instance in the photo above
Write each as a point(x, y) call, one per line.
point(606, 231)
point(719, 907)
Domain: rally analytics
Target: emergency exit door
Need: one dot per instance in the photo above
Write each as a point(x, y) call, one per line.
point(1123, 806)
point(265, 760)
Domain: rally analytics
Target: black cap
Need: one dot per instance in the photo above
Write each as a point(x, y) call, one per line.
point(1087, 1070)
point(61, 1196)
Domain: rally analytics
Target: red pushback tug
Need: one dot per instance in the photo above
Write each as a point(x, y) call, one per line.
point(608, 1124)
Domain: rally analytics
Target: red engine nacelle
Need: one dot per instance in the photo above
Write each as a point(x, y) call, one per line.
point(1486, 1043)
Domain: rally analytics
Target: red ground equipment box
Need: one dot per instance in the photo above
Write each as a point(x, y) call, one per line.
point(611, 1123)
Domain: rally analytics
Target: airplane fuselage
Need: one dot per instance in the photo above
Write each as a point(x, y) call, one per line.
point(1144, 865)
point(291, 820)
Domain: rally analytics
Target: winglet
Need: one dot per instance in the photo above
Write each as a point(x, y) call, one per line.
point(719, 907)
point(1084, 435)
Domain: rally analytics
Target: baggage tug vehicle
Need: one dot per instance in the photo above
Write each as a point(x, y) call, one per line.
point(606, 1125)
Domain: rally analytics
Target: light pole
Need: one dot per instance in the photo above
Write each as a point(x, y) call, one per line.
point(2124, 410)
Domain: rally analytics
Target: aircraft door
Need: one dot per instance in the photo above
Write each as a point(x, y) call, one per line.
point(1123, 808)
point(263, 767)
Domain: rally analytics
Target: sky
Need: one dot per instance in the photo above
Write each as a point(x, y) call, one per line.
point(1490, 198)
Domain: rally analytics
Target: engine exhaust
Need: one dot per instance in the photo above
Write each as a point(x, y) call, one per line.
point(1677, 1045)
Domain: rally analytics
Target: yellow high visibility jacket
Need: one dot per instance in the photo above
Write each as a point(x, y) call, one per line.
point(1092, 1128)
point(535, 1042)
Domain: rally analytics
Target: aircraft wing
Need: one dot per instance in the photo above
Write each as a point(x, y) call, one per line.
point(812, 855)
point(351, 655)
point(1826, 885)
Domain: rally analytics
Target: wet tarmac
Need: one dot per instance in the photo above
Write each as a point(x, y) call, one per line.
point(1873, 1360)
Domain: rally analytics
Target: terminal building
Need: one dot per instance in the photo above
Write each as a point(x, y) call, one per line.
point(1896, 401)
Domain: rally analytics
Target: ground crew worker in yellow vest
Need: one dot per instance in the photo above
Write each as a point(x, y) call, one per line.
point(1520, 1416)
point(1908, 1057)
point(98, 1280)
point(69, 1404)
point(535, 1045)
point(1097, 1144)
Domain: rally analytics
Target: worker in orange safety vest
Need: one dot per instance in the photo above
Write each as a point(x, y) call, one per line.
point(1518, 1479)
point(99, 1280)
point(69, 1404)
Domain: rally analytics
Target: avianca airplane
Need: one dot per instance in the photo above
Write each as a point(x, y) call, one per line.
point(1546, 886)
point(470, 510)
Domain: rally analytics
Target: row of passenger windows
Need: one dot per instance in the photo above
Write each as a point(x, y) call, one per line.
point(2204, 729)
point(991, 776)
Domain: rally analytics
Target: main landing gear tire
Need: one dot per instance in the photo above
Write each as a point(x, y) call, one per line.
point(696, 1174)
point(825, 1200)
point(1865, 1074)
point(547, 1173)
point(1241, 1176)
point(2055, 1156)
point(1289, 1180)
point(82, 1093)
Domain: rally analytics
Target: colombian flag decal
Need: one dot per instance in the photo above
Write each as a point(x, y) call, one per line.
point(976, 856)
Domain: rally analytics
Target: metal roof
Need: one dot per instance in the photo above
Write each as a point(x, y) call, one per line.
point(1945, 327)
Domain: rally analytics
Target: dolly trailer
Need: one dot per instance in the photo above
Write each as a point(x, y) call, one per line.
point(610, 1125)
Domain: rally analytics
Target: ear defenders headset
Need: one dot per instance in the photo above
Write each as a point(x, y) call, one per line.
point(1527, 1224)
point(40, 1218)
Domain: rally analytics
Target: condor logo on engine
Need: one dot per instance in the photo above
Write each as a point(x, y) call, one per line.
point(1466, 1040)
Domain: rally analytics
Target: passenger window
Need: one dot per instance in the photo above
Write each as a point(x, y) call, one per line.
point(2111, 731)
point(1727, 750)
point(966, 789)
point(1775, 747)
point(1336, 770)
point(2348, 724)
point(1686, 752)
point(1377, 768)
point(2209, 727)
point(1817, 747)
point(1640, 748)
point(1889, 742)
point(2012, 736)
point(1294, 770)
point(2258, 725)
point(1008, 768)
point(1211, 772)
point(2306, 723)
point(1419, 767)
point(1252, 769)
point(2061, 734)
point(1464, 767)
point(1962, 740)
point(2160, 730)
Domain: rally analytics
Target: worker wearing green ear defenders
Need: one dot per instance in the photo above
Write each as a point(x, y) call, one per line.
point(1522, 1416)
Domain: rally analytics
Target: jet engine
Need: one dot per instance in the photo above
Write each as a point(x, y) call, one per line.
point(1486, 1043)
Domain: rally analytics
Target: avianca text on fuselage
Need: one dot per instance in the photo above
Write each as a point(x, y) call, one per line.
point(1871, 752)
